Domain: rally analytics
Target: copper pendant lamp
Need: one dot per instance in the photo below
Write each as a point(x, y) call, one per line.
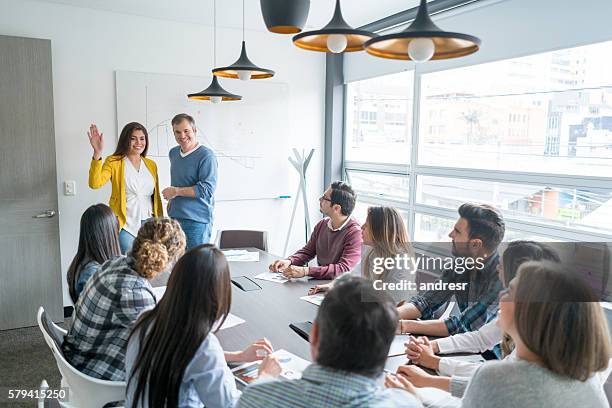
point(215, 92)
point(337, 36)
point(243, 68)
point(422, 40)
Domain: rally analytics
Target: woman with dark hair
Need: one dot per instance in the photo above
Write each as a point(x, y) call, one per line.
point(384, 236)
point(135, 195)
point(173, 356)
point(98, 242)
point(115, 296)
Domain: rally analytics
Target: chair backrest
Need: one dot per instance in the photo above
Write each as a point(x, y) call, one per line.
point(607, 308)
point(51, 332)
point(243, 239)
point(85, 391)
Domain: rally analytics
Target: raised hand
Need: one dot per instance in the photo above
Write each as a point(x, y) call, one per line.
point(96, 139)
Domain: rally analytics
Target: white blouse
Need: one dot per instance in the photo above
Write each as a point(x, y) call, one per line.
point(139, 187)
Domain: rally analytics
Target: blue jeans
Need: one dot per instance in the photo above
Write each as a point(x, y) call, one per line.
point(196, 232)
point(125, 241)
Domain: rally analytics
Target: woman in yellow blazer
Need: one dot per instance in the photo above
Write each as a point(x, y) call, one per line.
point(135, 188)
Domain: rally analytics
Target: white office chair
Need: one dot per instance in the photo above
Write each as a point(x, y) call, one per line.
point(84, 391)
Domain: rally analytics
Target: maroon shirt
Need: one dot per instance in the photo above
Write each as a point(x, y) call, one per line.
point(336, 251)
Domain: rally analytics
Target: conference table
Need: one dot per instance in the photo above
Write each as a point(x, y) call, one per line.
point(268, 311)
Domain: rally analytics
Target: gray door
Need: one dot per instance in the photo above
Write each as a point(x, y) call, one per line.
point(30, 272)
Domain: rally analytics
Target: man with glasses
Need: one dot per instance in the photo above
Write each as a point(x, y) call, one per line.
point(335, 241)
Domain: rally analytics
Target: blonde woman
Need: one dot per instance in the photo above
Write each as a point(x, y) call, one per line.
point(114, 297)
point(384, 236)
point(135, 195)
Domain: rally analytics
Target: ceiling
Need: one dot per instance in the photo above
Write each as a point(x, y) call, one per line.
point(229, 12)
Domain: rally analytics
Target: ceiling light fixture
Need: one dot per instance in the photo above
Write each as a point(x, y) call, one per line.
point(422, 41)
point(215, 92)
point(285, 16)
point(337, 36)
point(243, 68)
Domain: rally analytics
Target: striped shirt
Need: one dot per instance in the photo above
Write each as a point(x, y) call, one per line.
point(325, 387)
point(478, 304)
point(108, 306)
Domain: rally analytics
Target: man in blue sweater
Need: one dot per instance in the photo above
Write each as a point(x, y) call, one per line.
point(193, 174)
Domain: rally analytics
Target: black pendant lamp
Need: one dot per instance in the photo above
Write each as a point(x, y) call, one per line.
point(422, 41)
point(215, 92)
point(337, 36)
point(243, 68)
point(285, 16)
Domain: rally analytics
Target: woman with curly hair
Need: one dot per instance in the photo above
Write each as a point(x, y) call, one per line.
point(115, 296)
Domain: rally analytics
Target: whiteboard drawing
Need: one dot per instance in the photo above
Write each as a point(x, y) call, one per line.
point(247, 136)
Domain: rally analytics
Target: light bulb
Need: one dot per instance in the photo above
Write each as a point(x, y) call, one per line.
point(336, 43)
point(215, 99)
point(244, 75)
point(421, 49)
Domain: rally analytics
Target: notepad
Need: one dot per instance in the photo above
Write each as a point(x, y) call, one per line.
point(230, 321)
point(292, 367)
point(397, 346)
point(241, 255)
point(272, 277)
point(315, 299)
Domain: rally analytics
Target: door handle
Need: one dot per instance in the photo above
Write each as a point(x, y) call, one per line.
point(46, 214)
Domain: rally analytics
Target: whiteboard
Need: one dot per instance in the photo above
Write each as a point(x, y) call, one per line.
point(249, 136)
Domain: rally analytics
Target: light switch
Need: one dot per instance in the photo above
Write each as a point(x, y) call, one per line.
point(69, 188)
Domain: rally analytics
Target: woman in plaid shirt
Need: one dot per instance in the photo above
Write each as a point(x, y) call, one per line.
point(114, 297)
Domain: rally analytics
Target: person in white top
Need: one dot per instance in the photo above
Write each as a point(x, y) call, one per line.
point(562, 344)
point(135, 195)
point(384, 237)
point(455, 374)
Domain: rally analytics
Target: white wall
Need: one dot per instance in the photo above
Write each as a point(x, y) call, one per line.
point(508, 29)
point(88, 46)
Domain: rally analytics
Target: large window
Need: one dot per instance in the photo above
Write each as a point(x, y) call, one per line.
point(379, 119)
point(547, 113)
point(530, 135)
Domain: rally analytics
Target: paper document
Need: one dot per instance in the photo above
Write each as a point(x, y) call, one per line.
point(230, 321)
point(316, 299)
point(241, 255)
point(272, 277)
point(397, 346)
point(292, 367)
point(159, 292)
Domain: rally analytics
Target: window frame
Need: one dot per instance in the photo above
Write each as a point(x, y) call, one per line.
point(413, 169)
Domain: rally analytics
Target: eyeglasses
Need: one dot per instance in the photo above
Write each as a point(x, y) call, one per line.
point(324, 198)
